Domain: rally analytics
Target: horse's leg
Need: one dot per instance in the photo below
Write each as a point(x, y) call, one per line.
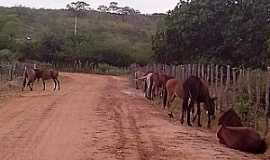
point(55, 84)
point(58, 82)
point(43, 81)
point(165, 98)
point(188, 112)
point(29, 85)
point(209, 120)
point(24, 83)
point(145, 89)
point(199, 114)
point(150, 91)
point(184, 107)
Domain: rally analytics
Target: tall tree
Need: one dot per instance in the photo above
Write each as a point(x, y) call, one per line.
point(103, 8)
point(78, 8)
point(113, 7)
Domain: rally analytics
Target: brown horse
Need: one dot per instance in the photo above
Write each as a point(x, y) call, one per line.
point(234, 135)
point(196, 91)
point(173, 89)
point(47, 74)
point(159, 83)
point(29, 77)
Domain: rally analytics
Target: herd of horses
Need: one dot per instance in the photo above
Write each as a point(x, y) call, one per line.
point(30, 75)
point(193, 90)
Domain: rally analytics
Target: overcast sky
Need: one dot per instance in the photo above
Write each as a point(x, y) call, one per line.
point(145, 6)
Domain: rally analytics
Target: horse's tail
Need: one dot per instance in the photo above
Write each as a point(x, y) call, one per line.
point(165, 97)
point(24, 77)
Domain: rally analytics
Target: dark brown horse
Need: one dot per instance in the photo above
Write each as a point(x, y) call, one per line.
point(47, 74)
point(234, 135)
point(196, 91)
point(230, 118)
point(29, 77)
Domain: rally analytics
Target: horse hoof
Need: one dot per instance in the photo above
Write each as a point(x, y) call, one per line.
point(199, 125)
point(189, 124)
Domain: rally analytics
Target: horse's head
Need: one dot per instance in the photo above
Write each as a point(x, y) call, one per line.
point(230, 118)
point(212, 106)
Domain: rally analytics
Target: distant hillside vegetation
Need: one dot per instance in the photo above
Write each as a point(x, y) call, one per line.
point(43, 34)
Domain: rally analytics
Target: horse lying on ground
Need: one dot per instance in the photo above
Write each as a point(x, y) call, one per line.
point(232, 134)
point(29, 77)
point(195, 90)
point(47, 74)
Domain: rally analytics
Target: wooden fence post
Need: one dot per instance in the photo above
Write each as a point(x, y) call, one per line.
point(183, 72)
point(216, 80)
point(208, 73)
point(234, 88)
point(221, 88)
point(199, 70)
point(202, 72)
point(249, 86)
point(267, 103)
point(212, 75)
point(258, 96)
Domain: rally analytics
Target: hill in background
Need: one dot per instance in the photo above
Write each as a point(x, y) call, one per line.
point(116, 39)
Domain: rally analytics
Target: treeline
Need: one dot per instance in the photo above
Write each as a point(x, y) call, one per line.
point(235, 32)
point(48, 35)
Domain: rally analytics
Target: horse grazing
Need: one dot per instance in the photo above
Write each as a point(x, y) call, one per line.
point(29, 77)
point(159, 83)
point(196, 91)
point(173, 89)
point(234, 135)
point(47, 74)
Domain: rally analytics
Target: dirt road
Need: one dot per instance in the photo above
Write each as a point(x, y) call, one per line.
point(98, 118)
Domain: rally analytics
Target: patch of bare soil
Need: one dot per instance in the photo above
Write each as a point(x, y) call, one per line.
point(99, 117)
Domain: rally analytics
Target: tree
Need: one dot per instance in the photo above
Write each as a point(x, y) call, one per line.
point(223, 31)
point(127, 11)
point(113, 7)
point(103, 8)
point(78, 8)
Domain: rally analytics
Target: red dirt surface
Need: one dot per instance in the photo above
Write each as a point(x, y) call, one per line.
point(99, 118)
